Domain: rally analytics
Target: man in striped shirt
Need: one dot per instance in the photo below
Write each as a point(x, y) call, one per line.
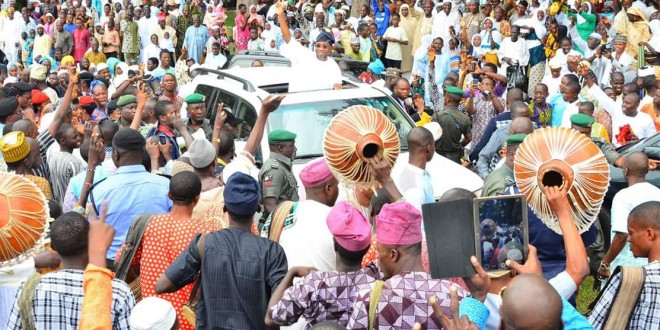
point(63, 165)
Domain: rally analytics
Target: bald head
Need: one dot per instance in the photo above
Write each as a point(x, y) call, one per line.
point(514, 95)
point(521, 125)
point(646, 215)
point(28, 127)
point(455, 194)
point(530, 302)
point(519, 109)
point(636, 165)
point(419, 137)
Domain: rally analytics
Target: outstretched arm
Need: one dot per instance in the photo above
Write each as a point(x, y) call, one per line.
point(64, 107)
point(280, 5)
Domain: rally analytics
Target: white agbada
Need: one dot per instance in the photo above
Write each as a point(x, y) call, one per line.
point(308, 241)
point(442, 22)
point(145, 30)
point(642, 124)
point(516, 51)
point(11, 34)
point(215, 62)
point(309, 73)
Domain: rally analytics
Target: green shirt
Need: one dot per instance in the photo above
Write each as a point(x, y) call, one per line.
point(497, 181)
point(610, 154)
point(454, 123)
point(277, 180)
point(206, 127)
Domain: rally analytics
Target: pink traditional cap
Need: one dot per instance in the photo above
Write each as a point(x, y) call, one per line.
point(399, 223)
point(316, 173)
point(349, 227)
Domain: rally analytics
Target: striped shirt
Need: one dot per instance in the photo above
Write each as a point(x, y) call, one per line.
point(58, 299)
point(63, 166)
point(45, 140)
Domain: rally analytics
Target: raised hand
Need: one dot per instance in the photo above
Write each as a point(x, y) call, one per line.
point(456, 322)
point(272, 102)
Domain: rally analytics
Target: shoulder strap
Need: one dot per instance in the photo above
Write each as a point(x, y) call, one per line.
point(278, 218)
point(627, 295)
point(25, 301)
point(198, 278)
point(373, 302)
point(133, 239)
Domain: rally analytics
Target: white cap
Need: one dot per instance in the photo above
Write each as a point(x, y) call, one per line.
point(152, 313)
point(101, 66)
point(49, 15)
point(645, 71)
point(435, 130)
point(596, 36)
point(554, 63)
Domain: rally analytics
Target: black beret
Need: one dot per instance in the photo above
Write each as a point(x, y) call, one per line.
point(112, 105)
point(23, 87)
point(8, 106)
point(128, 139)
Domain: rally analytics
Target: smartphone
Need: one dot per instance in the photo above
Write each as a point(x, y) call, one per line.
point(501, 232)
point(162, 139)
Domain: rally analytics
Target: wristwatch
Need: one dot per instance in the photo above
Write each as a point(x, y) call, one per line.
point(603, 266)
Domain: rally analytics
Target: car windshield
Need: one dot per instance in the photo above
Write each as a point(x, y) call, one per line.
point(310, 120)
point(244, 62)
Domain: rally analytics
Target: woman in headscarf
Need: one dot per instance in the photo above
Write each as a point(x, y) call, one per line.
point(586, 20)
point(490, 40)
point(12, 70)
point(27, 48)
point(255, 19)
point(638, 30)
point(536, 27)
point(112, 62)
point(342, 31)
point(408, 22)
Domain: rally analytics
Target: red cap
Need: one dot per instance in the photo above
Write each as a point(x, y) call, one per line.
point(161, 16)
point(39, 97)
point(85, 100)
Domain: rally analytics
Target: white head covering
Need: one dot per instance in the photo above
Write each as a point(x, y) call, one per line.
point(152, 313)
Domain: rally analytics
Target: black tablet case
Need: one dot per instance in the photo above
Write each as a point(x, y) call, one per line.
point(450, 236)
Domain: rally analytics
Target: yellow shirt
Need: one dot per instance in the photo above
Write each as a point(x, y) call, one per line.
point(95, 58)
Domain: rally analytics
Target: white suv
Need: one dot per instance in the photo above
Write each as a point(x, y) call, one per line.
point(308, 114)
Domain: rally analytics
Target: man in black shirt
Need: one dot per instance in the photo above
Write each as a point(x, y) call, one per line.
point(239, 270)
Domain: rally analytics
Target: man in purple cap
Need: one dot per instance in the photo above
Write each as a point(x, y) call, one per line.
point(402, 300)
point(327, 296)
point(299, 227)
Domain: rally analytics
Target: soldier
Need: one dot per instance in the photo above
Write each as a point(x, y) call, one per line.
point(582, 123)
point(499, 180)
point(276, 178)
point(454, 123)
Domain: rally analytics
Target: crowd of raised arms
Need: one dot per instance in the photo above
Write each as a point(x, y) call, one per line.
point(162, 214)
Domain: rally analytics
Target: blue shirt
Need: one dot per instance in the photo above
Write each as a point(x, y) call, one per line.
point(130, 192)
point(76, 183)
point(69, 28)
point(573, 320)
point(558, 106)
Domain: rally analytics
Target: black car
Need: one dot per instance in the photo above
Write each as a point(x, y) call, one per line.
point(245, 58)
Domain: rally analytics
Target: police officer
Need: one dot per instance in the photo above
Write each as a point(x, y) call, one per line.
point(276, 178)
point(454, 123)
point(582, 123)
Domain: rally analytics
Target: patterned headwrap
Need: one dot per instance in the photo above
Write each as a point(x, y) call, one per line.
point(95, 83)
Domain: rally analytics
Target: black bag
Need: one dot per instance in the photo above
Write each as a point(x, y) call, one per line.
point(516, 77)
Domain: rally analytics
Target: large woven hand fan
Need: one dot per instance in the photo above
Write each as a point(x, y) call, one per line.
point(354, 136)
point(555, 156)
point(23, 218)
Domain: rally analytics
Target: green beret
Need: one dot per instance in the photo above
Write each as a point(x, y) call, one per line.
point(280, 135)
point(126, 99)
point(454, 90)
point(195, 98)
point(516, 138)
point(582, 120)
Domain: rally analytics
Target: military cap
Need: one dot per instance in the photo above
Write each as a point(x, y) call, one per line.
point(280, 135)
point(393, 72)
point(126, 99)
point(454, 90)
point(195, 98)
point(516, 138)
point(582, 120)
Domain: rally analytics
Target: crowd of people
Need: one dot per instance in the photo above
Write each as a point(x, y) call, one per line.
point(159, 220)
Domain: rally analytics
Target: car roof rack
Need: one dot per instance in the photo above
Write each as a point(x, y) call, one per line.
point(247, 86)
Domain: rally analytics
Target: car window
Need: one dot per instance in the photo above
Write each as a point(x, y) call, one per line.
point(247, 62)
point(246, 112)
point(213, 97)
point(316, 117)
